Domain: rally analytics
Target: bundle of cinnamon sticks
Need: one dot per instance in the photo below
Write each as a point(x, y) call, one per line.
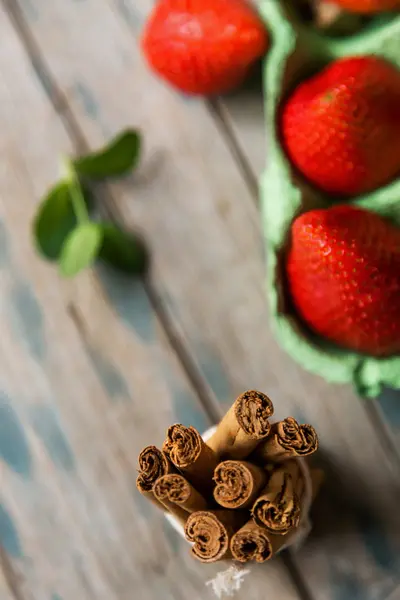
point(240, 495)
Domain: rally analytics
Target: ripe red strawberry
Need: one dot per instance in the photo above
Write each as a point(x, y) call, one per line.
point(343, 272)
point(204, 46)
point(341, 128)
point(369, 6)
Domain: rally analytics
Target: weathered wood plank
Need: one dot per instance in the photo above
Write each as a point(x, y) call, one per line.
point(243, 113)
point(243, 117)
point(5, 591)
point(389, 406)
point(395, 595)
point(187, 190)
point(86, 379)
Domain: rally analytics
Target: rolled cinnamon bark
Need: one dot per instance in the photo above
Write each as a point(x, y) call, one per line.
point(174, 491)
point(287, 439)
point(243, 427)
point(211, 532)
point(251, 542)
point(153, 463)
point(192, 456)
point(237, 483)
point(174, 509)
point(278, 541)
point(278, 506)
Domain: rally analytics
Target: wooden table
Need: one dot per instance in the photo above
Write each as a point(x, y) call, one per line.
point(95, 368)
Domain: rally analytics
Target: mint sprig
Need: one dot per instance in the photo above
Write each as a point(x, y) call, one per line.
point(63, 229)
point(81, 248)
point(120, 156)
point(54, 221)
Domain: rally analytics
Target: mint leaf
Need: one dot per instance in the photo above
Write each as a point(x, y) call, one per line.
point(54, 221)
point(76, 192)
point(80, 249)
point(118, 157)
point(122, 250)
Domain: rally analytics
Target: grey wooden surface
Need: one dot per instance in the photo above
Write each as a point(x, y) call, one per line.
point(92, 370)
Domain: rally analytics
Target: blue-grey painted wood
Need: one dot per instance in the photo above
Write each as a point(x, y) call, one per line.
point(191, 201)
point(87, 378)
point(389, 404)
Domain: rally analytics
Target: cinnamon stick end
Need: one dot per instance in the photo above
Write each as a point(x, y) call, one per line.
point(251, 543)
point(252, 411)
point(209, 535)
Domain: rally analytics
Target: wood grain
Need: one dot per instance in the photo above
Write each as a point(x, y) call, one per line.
point(386, 408)
point(395, 595)
point(5, 590)
point(190, 199)
point(243, 115)
point(87, 378)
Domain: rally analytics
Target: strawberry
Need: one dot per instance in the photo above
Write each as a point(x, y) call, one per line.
point(203, 46)
point(343, 271)
point(341, 128)
point(369, 6)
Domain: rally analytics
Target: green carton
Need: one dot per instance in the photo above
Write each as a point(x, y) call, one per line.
point(298, 51)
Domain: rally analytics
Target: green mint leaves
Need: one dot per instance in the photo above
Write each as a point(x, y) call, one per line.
point(120, 156)
point(121, 250)
point(81, 248)
point(54, 221)
point(63, 229)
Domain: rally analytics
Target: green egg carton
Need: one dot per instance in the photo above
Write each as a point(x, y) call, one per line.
point(298, 51)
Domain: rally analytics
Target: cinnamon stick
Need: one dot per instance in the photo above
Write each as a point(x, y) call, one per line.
point(174, 491)
point(251, 542)
point(243, 427)
point(174, 509)
point(278, 541)
point(237, 483)
point(287, 439)
point(192, 456)
point(211, 532)
point(153, 463)
point(278, 506)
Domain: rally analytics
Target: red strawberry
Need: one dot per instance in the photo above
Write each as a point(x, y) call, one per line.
point(343, 272)
point(369, 6)
point(203, 46)
point(341, 128)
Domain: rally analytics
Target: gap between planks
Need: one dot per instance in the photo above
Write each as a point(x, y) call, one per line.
point(220, 110)
point(61, 106)
point(41, 71)
point(174, 337)
point(65, 112)
point(195, 378)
